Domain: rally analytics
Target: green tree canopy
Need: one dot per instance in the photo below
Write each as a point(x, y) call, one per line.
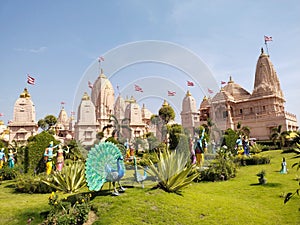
point(175, 131)
point(48, 122)
point(166, 113)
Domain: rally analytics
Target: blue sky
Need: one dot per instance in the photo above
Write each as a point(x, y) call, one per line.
point(57, 42)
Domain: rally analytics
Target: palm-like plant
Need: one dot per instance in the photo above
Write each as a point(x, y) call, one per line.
point(278, 136)
point(173, 170)
point(71, 179)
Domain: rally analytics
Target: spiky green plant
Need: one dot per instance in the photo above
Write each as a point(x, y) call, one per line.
point(173, 170)
point(71, 179)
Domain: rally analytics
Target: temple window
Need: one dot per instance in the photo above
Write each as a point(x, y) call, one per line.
point(241, 111)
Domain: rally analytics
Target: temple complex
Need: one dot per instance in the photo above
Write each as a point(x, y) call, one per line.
point(261, 111)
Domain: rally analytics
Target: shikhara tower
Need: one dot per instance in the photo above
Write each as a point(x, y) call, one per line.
point(23, 124)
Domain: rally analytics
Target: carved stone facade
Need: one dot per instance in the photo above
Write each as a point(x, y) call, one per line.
point(261, 110)
point(87, 125)
point(23, 124)
point(95, 114)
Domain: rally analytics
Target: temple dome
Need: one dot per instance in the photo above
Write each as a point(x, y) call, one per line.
point(235, 90)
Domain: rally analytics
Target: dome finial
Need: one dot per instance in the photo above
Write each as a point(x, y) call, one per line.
point(165, 103)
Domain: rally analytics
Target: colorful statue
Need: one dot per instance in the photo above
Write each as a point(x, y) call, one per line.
point(2, 158)
point(246, 145)
point(127, 146)
point(239, 145)
point(104, 164)
point(48, 157)
point(199, 150)
point(283, 166)
point(11, 159)
point(60, 157)
point(192, 150)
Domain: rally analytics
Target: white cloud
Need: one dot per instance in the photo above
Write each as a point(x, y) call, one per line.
point(32, 50)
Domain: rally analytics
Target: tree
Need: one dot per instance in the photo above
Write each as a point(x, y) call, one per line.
point(278, 136)
point(175, 131)
point(152, 141)
point(166, 113)
point(76, 151)
point(118, 126)
point(137, 141)
point(230, 138)
point(242, 130)
point(47, 123)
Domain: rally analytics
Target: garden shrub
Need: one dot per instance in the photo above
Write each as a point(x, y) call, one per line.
point(257, 148)
point(252, 160)
point(26, 183)
point(222, 168)
point(73, 210)
point(7, 173)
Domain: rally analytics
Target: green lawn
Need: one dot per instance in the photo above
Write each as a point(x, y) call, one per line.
point(238, 201)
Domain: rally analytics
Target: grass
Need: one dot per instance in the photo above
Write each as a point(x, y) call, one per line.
point(237, 201)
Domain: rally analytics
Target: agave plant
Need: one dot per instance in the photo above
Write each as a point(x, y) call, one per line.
point(173, 170)
point(71, 179)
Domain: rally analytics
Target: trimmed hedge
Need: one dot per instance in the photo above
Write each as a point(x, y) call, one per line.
point(252, 160)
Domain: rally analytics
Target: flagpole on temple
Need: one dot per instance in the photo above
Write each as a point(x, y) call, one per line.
point(267, 47)
point(267, 38)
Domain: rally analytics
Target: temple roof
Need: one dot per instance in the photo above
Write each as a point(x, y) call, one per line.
point(189, 103)
point(266, 80)
point(235, 90)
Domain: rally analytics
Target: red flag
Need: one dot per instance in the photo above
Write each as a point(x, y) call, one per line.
point(1, 114)
point(138, 88)
point(210, 91)
point(62, 103)
point(100, 59)
point(190, 83)
point(268, 38)
point(90, 84)
point(171, 93)
point(30, 80)
point(223, 82)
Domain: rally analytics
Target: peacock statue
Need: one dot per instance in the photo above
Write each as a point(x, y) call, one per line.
point(137, 176)
point(104, 164)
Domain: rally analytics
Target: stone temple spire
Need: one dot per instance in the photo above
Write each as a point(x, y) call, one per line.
point(266, 80)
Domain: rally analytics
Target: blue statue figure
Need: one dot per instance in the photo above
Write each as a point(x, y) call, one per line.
point(199, 150)
point(2, 157)
point(246, 145)
point(283, 166)
point(11, 159)
point(48, 157)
